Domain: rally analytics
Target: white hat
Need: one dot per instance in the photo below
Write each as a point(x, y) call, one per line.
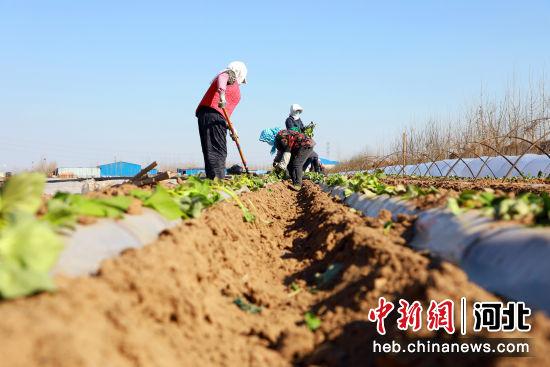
point(295, 108)
point(239, 68)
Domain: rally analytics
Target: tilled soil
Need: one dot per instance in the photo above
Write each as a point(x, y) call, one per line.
point(172, 303)
point(538, 185)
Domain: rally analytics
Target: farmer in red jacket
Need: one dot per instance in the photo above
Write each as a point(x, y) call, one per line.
point(223, 92)
point(293, 149)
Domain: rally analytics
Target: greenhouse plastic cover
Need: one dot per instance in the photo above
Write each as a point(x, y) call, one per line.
point(529, 165)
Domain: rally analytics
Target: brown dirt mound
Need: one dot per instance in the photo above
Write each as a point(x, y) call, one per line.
point(172, 303)
point(536, 185)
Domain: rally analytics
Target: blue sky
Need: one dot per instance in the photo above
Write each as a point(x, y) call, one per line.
point(83, 82)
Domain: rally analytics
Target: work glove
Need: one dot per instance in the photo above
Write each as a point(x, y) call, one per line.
point(222, 102)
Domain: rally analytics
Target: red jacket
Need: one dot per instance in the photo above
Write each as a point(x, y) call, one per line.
point(212, 97)
point(290, 140)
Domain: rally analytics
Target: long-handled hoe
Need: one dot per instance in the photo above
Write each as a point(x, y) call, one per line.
point(235, 139)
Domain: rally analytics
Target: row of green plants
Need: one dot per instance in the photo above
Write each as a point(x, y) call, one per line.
point(531, 208)
point(371, 185)
point(29, 227)
point(528, 207)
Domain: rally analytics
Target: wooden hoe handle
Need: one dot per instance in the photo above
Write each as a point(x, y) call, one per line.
point(235, 139)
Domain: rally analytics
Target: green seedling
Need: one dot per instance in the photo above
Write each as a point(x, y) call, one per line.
point(294, 289)
point(312, 321)
point(388, 226)
point(247, 215)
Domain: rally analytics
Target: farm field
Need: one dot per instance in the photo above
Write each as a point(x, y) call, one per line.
point(537, 185)
point(270, 184)
point(292, 287)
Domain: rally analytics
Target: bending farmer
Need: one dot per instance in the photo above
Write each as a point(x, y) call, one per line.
point(298, 147)
point(294, 122)
point(313, 163)
point(223, 93)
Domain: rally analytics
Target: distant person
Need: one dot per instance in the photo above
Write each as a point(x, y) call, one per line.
point(293, 149)
point(224, 92)
point(294, 122)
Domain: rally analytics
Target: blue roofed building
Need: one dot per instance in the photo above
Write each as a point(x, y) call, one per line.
point(119, 169)
point(191, 171)
point(327, 162)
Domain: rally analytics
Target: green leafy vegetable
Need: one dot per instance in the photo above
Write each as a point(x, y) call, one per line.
point(308, 129)
point(21, 194)
point(28, 249)
point(312, 321)
point(315, 176)
point(140, 194)
point(527, 206)
point(164, 203)
point(64, 209)
point(60, 214)
point(453, 206)
point(412, 191)
point(29, 246)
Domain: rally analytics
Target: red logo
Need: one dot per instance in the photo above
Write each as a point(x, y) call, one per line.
point(380, 313)
point(410, 315)
point(441, 316)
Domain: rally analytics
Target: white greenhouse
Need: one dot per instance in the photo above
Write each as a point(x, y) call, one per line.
point(530, 165)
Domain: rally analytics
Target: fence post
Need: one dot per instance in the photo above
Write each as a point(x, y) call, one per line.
point(404, 151)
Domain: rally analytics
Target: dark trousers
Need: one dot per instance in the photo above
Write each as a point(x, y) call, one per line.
point(213, 133)
point(313, 160)
point(296, 164)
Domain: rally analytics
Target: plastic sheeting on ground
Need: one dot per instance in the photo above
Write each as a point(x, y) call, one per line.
point(87, 246)
point(505, 258)
point(78, 187)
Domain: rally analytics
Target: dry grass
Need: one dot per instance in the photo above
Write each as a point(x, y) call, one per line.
point(518, 122)
point(45, 167)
